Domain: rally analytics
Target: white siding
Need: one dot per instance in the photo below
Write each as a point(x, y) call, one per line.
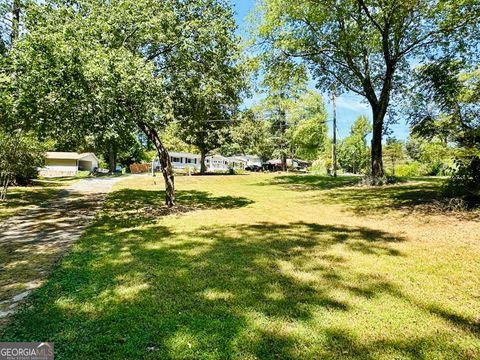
point(59, 167)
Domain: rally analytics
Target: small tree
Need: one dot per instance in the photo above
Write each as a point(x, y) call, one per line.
point(353, 150)
point(393, 152)
point(20, 157)
point(308, 126)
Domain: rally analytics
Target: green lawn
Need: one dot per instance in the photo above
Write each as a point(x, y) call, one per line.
point(264, 267)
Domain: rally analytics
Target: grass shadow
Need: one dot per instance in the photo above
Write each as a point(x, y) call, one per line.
point(311, 182)
point(139, 206)
point(408, 197)
point(21, 198)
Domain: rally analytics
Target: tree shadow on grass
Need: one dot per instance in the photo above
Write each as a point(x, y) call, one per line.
point(20, 198)
point(31, 244)
point(311, 182)
point(405, 197)
point(140, 206)
point(237, 291)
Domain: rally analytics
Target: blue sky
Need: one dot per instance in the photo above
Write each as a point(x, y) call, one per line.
point(349, 106)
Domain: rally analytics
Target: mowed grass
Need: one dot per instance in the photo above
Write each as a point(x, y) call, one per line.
point(264, 267)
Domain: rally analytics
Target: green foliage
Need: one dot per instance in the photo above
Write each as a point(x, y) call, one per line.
point(435, 157)
point(321, 167)
point(352, 152)
point(447, 106)
point(292, 127)
point(465, 181)
point(20, 156)
point(307, 130)
point(413, 168)
point(207, 87)
point(172, 141)
point(393, 154)
point(365, 46)
point(248, 136)
point(446, 103)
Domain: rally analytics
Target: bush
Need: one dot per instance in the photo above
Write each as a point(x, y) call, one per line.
point(465, 181)
point(26, 177)
point(410, 169)
point(20, 157)
point(320, 167)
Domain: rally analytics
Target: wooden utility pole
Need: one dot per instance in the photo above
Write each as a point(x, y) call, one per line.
point(334, 150)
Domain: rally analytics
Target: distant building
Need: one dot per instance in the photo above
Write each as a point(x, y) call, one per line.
point(59, 164)
point(251, 160)
point(181, 160)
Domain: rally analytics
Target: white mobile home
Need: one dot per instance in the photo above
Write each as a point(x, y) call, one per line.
point(67, 163)
point(250, 160)
point(181, 161)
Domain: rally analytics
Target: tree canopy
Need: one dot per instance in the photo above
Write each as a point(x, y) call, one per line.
point(365, 46)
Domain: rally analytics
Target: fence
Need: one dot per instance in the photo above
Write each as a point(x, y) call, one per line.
point(140, 168)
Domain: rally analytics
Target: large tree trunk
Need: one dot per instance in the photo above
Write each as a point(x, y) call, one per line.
point(203, 167)
point(284, 161)
point(112, 158)
point(377, 162)
point(379, 111)
point(165, 164)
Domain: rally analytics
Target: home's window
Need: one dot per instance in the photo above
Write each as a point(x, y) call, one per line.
point(175, 159)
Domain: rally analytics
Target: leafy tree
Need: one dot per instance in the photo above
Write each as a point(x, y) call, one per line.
point(245, 135)
point(394, 152)
point(207, 90)
point(446, 105)
point(434, 155)
point(172, 141)
point(20, 156)
point(307, 131)
point(87, 66)
point(364, 46)
point(353, 150)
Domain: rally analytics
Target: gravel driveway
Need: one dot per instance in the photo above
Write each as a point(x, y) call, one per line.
point(31, 243)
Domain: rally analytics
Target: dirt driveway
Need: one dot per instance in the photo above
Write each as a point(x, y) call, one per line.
point(31, 243)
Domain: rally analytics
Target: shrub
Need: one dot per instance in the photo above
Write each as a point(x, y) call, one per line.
point(320, 167)
point(20, 157)
point(465, 181)
point(409, 169)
